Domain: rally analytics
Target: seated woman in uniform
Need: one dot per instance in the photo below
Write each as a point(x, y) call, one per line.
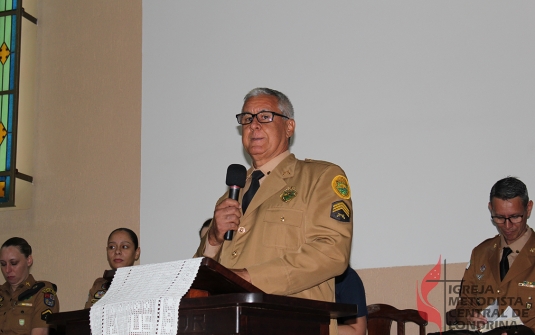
point(24, 302)
point(123, 250)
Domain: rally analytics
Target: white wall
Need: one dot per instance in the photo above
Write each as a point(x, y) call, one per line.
point(425, 104)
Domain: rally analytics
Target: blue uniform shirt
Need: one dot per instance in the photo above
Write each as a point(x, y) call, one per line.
point(350, 290)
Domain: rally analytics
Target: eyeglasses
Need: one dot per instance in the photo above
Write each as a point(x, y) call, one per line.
point(262, 117)
point(513, 219)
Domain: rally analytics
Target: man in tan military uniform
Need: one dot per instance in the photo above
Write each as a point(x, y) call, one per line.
point(482, 285)
point(21, 316)
point(295, 235)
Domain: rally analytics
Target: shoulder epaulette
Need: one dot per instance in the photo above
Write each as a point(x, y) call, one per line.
point(309, 160)
point(31, 291)
point(35, 289)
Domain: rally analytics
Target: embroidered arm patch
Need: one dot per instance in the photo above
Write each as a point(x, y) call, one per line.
point(340, 211)
point(340, 186)
point(49, 299)
point(45, 314)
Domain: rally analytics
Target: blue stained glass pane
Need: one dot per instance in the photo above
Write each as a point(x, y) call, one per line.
point(12, 73)
point(7, 181)
point(13, 48)
point(8, 155)
point(10, 113)
point(13, 32)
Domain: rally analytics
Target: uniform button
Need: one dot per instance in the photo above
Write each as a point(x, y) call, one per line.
point(241, 230)
point(529, 298)
point(282, 218)
point(234, 253)
point(497, 291)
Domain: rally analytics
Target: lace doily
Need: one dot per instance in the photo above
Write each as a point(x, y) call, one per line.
point(144, 299)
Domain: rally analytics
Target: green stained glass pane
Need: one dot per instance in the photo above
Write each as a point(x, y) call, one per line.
point(6, 5)
point(6, 51)
point(5, 132)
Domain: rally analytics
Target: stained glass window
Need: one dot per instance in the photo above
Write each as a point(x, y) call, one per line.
point(11, 16)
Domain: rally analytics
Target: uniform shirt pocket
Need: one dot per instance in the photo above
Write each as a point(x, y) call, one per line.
point(282, 228)
point(21, 319)
point(524, 304)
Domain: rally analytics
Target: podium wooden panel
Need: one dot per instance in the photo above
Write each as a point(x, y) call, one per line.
point(233, 306)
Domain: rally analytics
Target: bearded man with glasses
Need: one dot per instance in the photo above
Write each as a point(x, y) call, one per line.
point(293, 236)
point(502, 268)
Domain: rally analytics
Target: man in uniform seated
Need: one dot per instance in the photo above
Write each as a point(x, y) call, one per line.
point(502, 268)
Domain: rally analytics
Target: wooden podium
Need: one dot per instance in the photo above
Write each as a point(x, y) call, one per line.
point(220, 302)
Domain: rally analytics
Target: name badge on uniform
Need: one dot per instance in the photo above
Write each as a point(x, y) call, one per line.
point(28, 304)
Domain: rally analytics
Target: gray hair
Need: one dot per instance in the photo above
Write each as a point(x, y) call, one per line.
point(285, 105)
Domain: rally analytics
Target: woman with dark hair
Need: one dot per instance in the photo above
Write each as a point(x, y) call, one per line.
point(24, 302)
point(123, 250)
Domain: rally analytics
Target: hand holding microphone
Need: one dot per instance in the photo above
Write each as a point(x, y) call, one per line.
point(236, 176)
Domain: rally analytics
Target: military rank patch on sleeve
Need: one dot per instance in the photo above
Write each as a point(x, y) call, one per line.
point(340, 211)
point(341, 187)
point(45, 314)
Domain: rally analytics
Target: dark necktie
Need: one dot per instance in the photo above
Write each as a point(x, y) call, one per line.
point(504, 263)
point(255, 184)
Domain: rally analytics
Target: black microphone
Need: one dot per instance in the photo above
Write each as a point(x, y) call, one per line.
point(236, 176)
